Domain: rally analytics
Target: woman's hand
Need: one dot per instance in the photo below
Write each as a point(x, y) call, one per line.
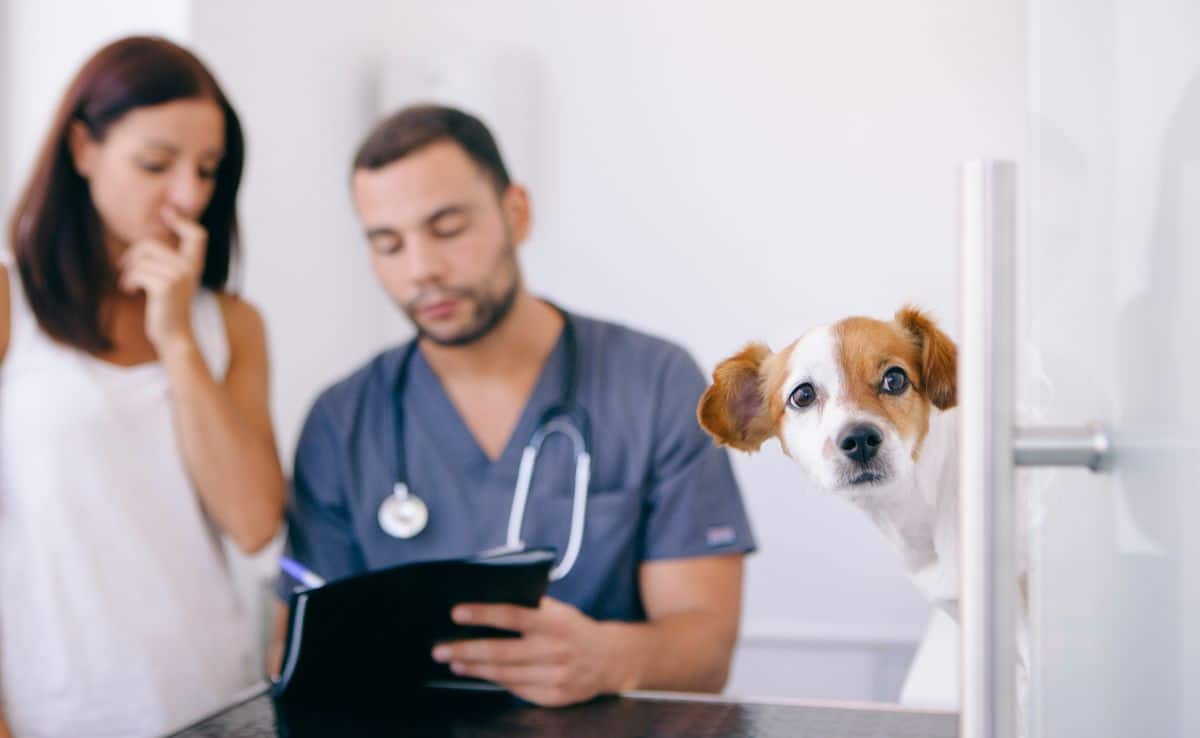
point(170, 278)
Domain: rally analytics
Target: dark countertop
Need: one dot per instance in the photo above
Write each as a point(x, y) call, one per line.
point(432, 712)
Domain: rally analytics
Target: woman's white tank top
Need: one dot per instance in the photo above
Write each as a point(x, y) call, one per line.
point(118, 614)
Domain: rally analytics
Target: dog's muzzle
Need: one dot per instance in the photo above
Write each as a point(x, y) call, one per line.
point(860, 444)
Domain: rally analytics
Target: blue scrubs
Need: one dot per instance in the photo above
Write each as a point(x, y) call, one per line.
point(660, 489)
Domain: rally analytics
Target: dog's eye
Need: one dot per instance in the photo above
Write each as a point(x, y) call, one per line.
point(895, 381)
point(802, 396)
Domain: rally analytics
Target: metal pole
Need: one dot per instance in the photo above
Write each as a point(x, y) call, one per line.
point(986, 395)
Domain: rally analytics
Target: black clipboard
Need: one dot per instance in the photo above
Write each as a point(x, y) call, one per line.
point(370, 635)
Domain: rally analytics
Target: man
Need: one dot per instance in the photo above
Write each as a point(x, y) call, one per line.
point(652, 599)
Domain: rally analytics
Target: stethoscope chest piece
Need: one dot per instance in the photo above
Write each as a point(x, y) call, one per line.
point(403, 514)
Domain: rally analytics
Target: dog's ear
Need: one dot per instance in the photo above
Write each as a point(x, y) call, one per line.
point(735, 410)
point(939, 357)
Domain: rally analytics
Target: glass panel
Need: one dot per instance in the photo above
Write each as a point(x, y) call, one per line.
point(1114, 316)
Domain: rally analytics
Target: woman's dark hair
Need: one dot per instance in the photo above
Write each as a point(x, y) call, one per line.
point(55, 231)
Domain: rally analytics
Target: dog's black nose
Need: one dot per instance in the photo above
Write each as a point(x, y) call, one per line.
point(861, 442)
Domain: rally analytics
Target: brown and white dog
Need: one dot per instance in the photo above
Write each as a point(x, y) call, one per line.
point(866, 407)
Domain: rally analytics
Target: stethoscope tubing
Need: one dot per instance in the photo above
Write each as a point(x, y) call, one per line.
point(558, 421)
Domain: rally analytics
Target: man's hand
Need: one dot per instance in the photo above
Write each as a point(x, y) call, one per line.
point(561, 658)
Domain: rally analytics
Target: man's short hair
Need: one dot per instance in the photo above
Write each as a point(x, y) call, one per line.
point(413, 128)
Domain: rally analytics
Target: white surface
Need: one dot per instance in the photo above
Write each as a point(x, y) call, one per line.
point(6, 84)
point(1114, 222)
point(43, 44)
point(932, 680)
point(302, 79)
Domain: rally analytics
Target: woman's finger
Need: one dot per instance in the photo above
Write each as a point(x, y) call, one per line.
point(193, 239)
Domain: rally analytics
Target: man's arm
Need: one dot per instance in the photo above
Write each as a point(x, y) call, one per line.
point(693, 608)
point(4, 727)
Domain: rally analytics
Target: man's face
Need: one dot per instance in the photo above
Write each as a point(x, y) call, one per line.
point(443, 241)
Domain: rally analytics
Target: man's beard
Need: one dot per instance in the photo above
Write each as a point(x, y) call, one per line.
point(490, 310)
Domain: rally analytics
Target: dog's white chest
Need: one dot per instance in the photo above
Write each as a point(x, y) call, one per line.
point(919, 516)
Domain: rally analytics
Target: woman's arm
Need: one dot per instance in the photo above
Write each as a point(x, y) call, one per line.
point(224, 429)
point(5, 320)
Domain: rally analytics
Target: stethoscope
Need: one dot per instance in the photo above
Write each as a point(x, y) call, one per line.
point(403, 514)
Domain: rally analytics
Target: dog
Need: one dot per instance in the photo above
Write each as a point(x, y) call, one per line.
point(868, 409)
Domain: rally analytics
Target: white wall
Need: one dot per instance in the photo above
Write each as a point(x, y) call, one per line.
point(302, 80)
point(42, 45)
point(717, 172)
point(712, 172)
point(6, 83)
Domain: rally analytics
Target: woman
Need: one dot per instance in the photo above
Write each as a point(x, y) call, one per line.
point(134, 426)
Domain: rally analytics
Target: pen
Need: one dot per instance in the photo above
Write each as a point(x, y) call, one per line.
point(300, 573)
